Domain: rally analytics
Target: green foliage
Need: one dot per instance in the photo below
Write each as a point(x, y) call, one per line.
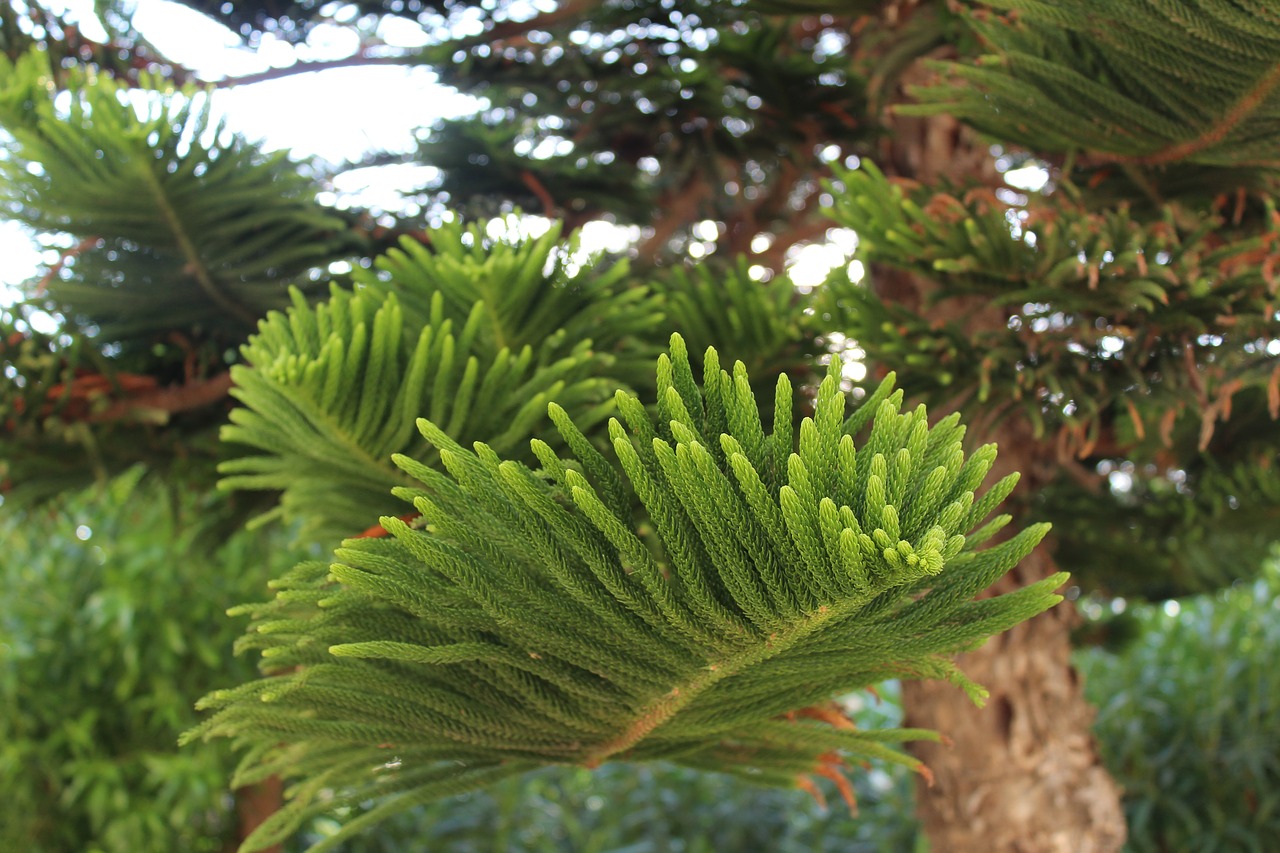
point(182, 226)
point(543, 292)
point(702, 597)
point(652, 808)
point(175, 236)
point(37, 404)
point(560, 179)
point(538, 618)
point(1123, 341)
point(64, 43)
point(1196, 82)
point(1176, 531)
point(762, 324)
point(642, 108)
point(1102, 305)
point(476, 334)
point(70, 415)
point(112, 626)
point(1187, 721)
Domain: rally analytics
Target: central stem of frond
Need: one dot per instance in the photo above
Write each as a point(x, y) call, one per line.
point(680, 696)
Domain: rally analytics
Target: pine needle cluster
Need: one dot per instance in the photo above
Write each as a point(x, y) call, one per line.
point(699, 598)
point(207, 230)
point(1101, 303)
point(1197, 83)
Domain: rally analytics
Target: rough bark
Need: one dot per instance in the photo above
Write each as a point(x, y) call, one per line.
point(1023, 775)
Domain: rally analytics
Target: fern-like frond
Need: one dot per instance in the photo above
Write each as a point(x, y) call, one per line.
point(698, 598)
point(183, 226)
point(1104, 310)
point(330, 392)
point(761, 323)
point(543, 292)
point(1197, 82)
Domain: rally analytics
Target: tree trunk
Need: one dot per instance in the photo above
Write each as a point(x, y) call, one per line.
point(1023, 775)
point(256, 803)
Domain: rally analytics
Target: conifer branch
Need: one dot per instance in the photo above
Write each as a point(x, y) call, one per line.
point(479, 336)
point(523, 619)
point(172, 399)
point(206, 230)
point(1246, 106)
point(681, 696)
point(195, 264)
point(1070, 77)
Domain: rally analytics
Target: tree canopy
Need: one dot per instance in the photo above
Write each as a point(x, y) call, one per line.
point(540, 549)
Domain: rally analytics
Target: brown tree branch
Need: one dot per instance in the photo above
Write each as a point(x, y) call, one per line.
point(172, 399)
point(79, 248)
point(504, 30)
point(539, 190)
point(678, 209)
point(254, 804)
point(358, 60)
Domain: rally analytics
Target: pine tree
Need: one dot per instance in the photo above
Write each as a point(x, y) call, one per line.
point(1114, 333)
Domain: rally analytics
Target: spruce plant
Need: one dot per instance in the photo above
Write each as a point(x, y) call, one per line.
point(1113, 331)
point(702, 598)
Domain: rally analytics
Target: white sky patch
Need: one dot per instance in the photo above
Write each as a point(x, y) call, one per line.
point(607, 237)
point(379, 187)
point(344, 113)
point(1030, 178)
point(518, 227)
point(201, 44)
point(1120, 481)
point(809, 265)
point(813, 263)
point(338, 115)
point(19, 259)
point(401, 32)
point(594, 237)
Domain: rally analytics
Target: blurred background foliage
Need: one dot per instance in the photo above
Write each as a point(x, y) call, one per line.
point(655, 809)
point(111, 625)
point(1187, 718)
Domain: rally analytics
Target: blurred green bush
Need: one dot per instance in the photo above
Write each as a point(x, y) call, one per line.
point(112, 624)
point(1189, 720)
